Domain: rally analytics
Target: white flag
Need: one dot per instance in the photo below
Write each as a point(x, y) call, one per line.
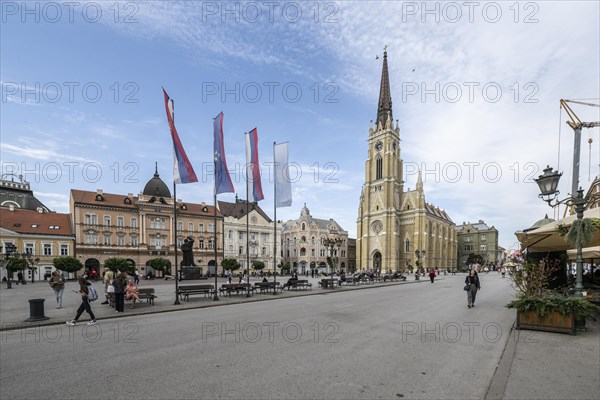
point(283, 186)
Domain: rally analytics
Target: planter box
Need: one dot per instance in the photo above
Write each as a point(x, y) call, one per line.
point(553, 322)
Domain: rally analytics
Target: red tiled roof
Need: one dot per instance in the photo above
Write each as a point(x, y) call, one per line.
point(33, 222)
point(118, 200)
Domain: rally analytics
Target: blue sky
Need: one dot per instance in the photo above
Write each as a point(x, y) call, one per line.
point(476, 92)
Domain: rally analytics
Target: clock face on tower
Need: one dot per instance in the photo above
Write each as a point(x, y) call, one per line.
point(379, 145)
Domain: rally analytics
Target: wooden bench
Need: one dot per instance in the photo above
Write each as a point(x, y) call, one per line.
point(267, 287)
point(298, 284)
point(329, 282)
point(147, 294)
point(229, 288)
point(184, 291)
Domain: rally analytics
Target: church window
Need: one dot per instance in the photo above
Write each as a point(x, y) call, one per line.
point(407, 246)
point(378, 168)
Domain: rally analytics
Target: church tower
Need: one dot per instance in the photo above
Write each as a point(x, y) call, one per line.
point(378, 223)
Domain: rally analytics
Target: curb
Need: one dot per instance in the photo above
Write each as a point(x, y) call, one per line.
point(500, 379)
point(212, 303)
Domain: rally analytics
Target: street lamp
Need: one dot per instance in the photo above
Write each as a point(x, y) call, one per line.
point(332, 243)
point(548, 182)
point(418, 254)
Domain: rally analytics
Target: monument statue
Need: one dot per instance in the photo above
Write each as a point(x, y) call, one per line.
point(188, 252)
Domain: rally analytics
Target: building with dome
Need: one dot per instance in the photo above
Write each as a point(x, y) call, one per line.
point(141, 227)
point(303, 244)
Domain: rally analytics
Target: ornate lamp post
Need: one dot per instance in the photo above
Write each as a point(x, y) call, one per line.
point(548, 183)
point(331, 243)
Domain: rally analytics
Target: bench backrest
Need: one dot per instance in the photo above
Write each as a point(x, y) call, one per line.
point(146, 290)
point(195, 287)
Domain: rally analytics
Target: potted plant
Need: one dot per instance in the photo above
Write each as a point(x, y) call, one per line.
point(539, 308)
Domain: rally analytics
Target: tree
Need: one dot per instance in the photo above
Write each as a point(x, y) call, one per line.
point(258, 264)
point(67, 264)
point(230, 263)
point(160, 264)
point(16, 264)
point(474, 258)
point(118, 264)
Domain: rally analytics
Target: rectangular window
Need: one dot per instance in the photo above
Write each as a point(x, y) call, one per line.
point(47, 249)
point(252, 236)
point(64, 249)
point(264, 237)
point(179, 242)
point(264, 251)
point(121, 240)
point(107, 240)
point(230, 234)
point(483, 247)
point(134, 241)
point(29, 249)
point(201, 244)
point(241, 236)
point(107, 220)
point(201, 228)
point(134, 222)
point(211, 228)
point(210, 244)
point(231, 248)
point(120, 222)
point(191, 227)
point(241, 250)
point(91, 238)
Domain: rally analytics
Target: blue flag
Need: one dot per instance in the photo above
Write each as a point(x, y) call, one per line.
point(223, 182)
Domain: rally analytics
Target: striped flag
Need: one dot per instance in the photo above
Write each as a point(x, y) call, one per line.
point(183, 172)
point(223, 182)
point(253, 166)
point(283, 186)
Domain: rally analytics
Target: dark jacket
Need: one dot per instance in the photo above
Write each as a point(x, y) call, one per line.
point(473, 280)
point(119, 287)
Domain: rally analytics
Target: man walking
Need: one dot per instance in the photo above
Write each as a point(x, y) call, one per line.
point(108, 278)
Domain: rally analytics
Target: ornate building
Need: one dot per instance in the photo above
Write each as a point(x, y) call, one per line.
point(397, 229)
point(32, 228)
point(261, 233)
point(303, 243)
point(141, 227)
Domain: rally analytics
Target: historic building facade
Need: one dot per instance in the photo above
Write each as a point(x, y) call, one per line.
point(479, 239)
point(28, 225)
point(141, 227)
point(397, 230)
point(304, 243)
point(260, 240)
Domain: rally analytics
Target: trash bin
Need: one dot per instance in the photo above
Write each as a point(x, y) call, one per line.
point(36, 310)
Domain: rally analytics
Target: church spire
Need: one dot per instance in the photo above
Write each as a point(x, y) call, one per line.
point(385, 97)
point(419, 182)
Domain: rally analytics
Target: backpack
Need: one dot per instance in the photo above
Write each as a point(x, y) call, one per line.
point(92, 294)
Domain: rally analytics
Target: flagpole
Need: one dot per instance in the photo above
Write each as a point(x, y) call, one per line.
point(248, 216)
point(216, 297)
point(275, 223)
point(175, 243)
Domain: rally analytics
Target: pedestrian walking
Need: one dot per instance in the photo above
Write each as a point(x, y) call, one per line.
point(57, 283)
point(108, 278)
point(431, 274)
point(85, 304)
point(472, 281)
point(119, 284)
point(503, 270)
point(136, 277)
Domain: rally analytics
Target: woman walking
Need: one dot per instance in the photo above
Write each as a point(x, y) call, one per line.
point(431, 274)
point(85, 304)
point(472, 281)
point(57, 283)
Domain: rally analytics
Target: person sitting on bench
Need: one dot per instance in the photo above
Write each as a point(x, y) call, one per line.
point(132, 293)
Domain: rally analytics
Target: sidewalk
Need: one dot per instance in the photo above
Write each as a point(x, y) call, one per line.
point(14, 303)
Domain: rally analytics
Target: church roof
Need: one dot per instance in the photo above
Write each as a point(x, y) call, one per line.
point(385, 98)
point(19, 194)
point(238, 209)
point(156, 187)
point(435, 211)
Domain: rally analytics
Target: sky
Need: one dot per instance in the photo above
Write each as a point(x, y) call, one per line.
point(475, 88)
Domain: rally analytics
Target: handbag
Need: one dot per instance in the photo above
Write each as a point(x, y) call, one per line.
point(110, 289)
point(466, 288)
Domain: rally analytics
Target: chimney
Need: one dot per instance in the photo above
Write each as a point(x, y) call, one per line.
point(99, 191)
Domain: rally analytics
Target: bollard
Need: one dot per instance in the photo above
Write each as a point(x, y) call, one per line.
point(36, 310)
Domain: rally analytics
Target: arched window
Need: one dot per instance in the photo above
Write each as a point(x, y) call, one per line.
point(303, 226)
point(378, 168)
point(407, 246)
